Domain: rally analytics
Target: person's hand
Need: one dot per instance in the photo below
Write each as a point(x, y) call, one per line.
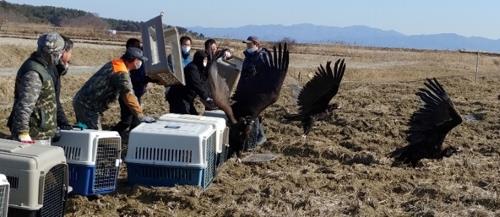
point(148, 119)
point(227, 54)
point(25, 138)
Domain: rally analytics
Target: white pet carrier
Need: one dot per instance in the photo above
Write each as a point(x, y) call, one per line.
point(4, 195)
point(216, 114)
point(219, 124)
point(93, 159)
point(168, 153)
point(155, 40)
point(38, 177)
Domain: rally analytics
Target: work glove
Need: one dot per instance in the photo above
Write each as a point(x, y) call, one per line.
point(147, 119)
point(25, 138)
point(81, 125)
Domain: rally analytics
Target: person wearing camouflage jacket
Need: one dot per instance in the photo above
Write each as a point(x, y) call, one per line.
point(105, 86)
point(33, 115)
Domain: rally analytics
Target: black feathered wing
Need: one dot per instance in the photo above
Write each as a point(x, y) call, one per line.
point(435, 118)
point(256, 93)
point(318, 92)
point(220, 92)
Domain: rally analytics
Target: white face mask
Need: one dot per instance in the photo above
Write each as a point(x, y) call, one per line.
point(185, 49)
point(252, 49)
point(138, 64)
point(205, 63)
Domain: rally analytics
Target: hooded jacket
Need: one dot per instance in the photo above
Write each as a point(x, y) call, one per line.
point(196, 76)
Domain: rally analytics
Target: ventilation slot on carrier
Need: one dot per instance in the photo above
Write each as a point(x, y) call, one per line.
point(161, 154)
point(13, 181)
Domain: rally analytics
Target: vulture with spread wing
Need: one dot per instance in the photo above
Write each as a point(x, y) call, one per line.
point(314, 99)
point(429, 126)
point(253, 95)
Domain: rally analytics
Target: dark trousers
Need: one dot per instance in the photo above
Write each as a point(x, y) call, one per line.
point(180, 106)
point(127, 119)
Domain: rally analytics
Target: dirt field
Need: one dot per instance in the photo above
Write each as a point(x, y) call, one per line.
point(343, 169)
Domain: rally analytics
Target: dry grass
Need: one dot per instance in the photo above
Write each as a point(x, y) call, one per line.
point(343, 170)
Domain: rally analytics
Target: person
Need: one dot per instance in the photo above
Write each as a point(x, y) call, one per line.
point(214, 53)
point(185, 50)
point(186, 42)
point(255, 57)
point(105, 85)
point(61, 70)
point(181, 98)
point(33, 117)
point(139, 83)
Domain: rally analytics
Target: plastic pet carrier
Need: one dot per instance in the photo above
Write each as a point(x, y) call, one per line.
point(168, 153)
point(222, 131)
point(158, 66)
point(4, 195)
point(224, 155)
point(38, 178)
point(93, 158)
point(230, 70)
point(216, 114)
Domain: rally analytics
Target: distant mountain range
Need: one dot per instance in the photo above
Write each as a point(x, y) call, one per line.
point(356, 35)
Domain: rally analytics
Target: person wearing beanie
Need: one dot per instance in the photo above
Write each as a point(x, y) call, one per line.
point(34, 114)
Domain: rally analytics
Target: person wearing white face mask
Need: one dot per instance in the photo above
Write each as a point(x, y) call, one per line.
point(111, 81)
point(139, 83)
point(255, 57)
point(181, 98)
point(34, 113)
point(185, 50)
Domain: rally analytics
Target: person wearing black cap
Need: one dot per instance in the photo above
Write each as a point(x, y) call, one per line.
point(105, 85)
point(181, 98)
point(139, 83)
point(255, 57)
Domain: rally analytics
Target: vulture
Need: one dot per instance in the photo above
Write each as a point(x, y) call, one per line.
point(429, 126)
point(314, 98)
point(252, 95)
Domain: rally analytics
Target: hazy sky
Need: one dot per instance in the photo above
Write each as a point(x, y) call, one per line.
point(464, 17)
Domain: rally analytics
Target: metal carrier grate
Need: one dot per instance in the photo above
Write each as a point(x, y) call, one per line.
point(211, 160)
point(4, 200)
point(54, 195)
point(106, 170)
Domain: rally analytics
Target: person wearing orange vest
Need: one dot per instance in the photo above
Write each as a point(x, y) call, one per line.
point(104, 87)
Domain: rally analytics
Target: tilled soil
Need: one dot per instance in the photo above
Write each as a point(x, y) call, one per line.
point(342, 168)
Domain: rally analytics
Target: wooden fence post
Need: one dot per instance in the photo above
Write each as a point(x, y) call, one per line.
point(477, 67)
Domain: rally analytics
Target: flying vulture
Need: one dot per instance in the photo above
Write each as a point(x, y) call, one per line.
point(429, 126)
point(314, 99)
point(252, 96)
